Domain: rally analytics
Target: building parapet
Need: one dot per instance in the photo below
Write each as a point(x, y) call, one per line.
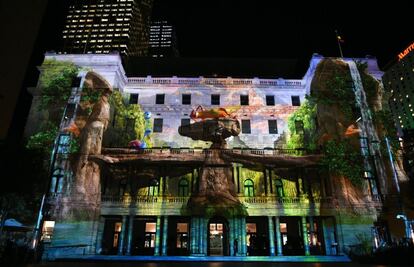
point(300, 84)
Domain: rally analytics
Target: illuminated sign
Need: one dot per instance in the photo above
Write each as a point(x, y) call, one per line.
point(406, 51)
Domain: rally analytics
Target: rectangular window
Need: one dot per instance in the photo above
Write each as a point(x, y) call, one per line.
point(133, 99)
point(270, 100)
point(272, 126)
point(63, 144)
point(244, 100)
point(159, 99)
point(185, 122)
point(246, 126)
point(186, 99)
point(76, 82)
point(215, 99)
point(157, 126)
point(295, 100)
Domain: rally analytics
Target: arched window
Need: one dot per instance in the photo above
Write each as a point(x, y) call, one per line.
point(183, 187)
point(248, 188)
point(56, 185)
point(279, 188)
point(154, 188)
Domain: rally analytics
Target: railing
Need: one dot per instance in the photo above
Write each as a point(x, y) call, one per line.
point(218, 81)
point(286, 200)
point(142, 199)
point(186, 150)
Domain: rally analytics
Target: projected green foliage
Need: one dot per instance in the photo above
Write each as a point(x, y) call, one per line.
point(343, 159)
point(127, 124)
point(304, 116)
point(56, 81)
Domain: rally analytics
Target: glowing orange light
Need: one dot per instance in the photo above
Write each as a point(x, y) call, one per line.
point(406, 51)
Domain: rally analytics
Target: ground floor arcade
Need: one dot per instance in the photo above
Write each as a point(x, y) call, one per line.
point(217, 236)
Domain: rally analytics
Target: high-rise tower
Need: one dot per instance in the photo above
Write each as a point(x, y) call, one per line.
point(103, 26)
point(163, 41)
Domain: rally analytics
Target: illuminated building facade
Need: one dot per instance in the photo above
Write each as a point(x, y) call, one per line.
point(166, 200)
point(103, 26)
point(163, 41)
point(399, 82)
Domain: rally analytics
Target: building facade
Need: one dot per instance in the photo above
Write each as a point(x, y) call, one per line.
point(165, 200)
point(104, 26)
point(399, 82)
point(163, 40)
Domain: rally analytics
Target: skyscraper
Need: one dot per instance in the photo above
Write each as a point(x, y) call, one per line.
point(399, 82)
point(163, 41)
point(102, 26)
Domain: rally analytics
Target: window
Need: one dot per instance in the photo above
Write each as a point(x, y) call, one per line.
point(47, 231)
point(246, 126)
point(244, 100)
point(272, 126)
point(295, 100)
point(279, 188)
point(182, 235)
point(186, 99)
point(133, 99)
point(157, 125)
point(215, 99)
point(76, 82)
point(159, 99)
point(153, 190)
point(248, 188)
point(372, 184)
point(63, 144)
point(270, 100)
point(69, 111)
point(56, 184)
point(185, 122)
point(183, 187)
point(150, 229)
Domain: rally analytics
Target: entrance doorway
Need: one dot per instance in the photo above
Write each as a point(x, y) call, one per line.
point(217, 237)
point(111, 235)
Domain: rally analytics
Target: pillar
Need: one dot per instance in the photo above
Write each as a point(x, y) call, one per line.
point(305, 236)
point(122, 236)
point(201, 235)
point(278, 237)
point(231, 237)
point(101, 225)
point(194, 236)
point(271, 236)
point(164, 236)
point(243, 236)
point(130, 233)
point(157, 237)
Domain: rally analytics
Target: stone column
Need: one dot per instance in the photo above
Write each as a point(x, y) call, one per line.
point(271, 236)
point(243, 236)
point(122, 236)
point(130, 233)
point(101, 225)
point(231, 237)
point(305, 236)
point(157, 237)
point(278, 237)
point(164, 236)
point(194, 248)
